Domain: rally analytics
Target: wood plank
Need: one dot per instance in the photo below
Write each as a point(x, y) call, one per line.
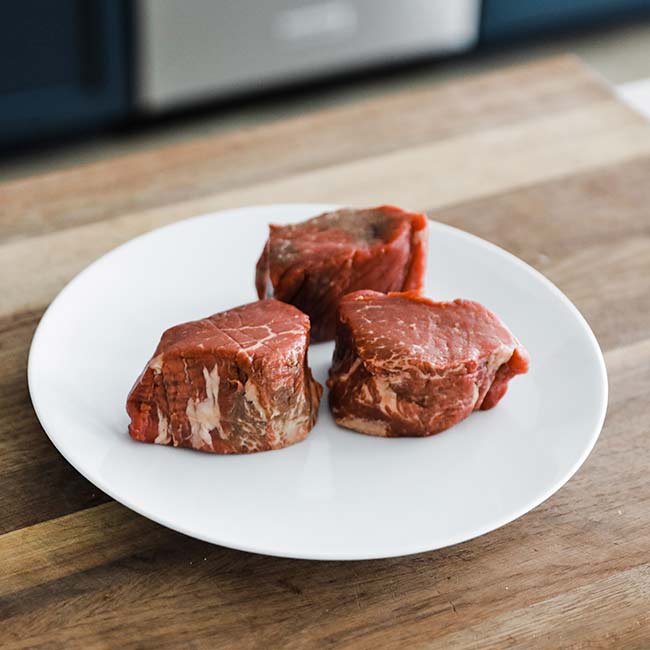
point(603, 281)
point(545, 221)
point(36, 483)
point(203, 167)
point(70, 544)
point(68, 569)
point(584, 615)
point(424, 177)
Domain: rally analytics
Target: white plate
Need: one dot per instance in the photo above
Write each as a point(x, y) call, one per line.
point(338, 495)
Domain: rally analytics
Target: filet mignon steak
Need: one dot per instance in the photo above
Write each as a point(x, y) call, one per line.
point(407, 366)
point(235, 382)
point(314, 263)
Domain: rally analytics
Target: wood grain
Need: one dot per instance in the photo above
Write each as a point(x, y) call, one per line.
point(426, 176)
point(252, 156)
point(539, 159)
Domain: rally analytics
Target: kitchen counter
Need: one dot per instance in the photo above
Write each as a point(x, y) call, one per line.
point(619, 53)
point(541, 159)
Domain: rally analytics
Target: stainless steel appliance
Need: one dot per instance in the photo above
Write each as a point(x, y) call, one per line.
point(199, 49)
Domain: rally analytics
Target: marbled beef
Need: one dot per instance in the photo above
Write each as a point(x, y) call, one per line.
point(235, 382)
point(314, 263)
point(407, 366)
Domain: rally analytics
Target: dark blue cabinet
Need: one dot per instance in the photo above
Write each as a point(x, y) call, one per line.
point(64, 67)
point(507, 19)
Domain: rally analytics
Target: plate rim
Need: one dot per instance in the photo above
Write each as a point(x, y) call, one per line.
point(406, 549)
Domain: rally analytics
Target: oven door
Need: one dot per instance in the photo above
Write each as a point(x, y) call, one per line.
point(200, 49)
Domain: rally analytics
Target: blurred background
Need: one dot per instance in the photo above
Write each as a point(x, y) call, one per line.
point(82, 80)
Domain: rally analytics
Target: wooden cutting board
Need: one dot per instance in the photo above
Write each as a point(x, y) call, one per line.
point(541, 159)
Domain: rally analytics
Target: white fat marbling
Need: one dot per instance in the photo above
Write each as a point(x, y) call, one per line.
point(475, 395)
point(387, 397)
point(205, 415)
point(252, 395)
point(500, 356)
point(372, 427)
point(163, 437)
point(156, 363)
point(344, 376)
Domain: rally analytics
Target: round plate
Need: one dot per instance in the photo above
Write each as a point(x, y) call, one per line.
point(338, 495)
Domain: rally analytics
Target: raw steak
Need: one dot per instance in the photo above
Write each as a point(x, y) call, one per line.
point(314, 263)
point(406, 366)
point(235, 382)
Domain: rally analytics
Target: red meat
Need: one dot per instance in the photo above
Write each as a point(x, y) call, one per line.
point(313, 264)
point(407, 366)
point(235, 382)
